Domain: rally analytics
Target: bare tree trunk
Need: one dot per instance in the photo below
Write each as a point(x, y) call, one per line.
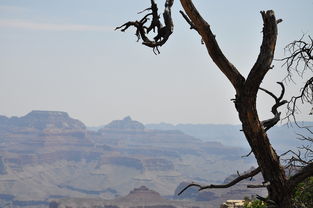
point(267, 159)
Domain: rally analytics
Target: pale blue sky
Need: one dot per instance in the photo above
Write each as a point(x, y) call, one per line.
point(64, 55)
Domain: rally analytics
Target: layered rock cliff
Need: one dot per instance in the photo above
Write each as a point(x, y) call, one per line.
point(48, 155)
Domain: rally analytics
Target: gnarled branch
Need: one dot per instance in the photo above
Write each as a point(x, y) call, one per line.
point(163, 32)
point(233, 182)
point(269, 123)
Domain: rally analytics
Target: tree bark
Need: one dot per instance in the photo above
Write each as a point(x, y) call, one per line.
point(267, 159)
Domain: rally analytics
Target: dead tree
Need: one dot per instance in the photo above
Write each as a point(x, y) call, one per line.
point(279, 185)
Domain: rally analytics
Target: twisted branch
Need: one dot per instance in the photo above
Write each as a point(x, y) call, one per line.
point(269, 123)
point(163, 32)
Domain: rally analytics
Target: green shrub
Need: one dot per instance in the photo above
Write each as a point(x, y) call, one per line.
point(254, 204)
point(303, 196)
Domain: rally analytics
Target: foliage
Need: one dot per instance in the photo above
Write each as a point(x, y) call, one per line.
point(254, 204)
point(303, 196)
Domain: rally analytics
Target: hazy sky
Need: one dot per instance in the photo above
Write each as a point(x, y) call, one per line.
point(64, 55)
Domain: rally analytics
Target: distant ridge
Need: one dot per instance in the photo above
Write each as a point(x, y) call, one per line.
point(126, 124)
point(138, 197)
point(42, 120)
point(283, 137)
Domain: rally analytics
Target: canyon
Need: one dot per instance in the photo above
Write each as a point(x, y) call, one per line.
point(47, 156)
